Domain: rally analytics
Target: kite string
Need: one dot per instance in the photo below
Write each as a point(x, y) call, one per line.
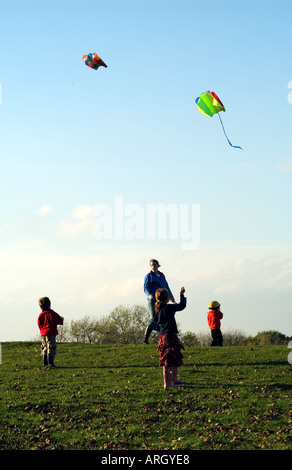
point(235, 146)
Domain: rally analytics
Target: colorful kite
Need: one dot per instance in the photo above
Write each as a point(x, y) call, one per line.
point(209, 104)
point(93, 61)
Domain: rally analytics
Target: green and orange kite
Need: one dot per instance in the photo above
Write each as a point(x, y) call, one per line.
point(209, 104)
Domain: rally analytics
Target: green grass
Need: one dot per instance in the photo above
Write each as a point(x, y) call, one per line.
point(112, 397)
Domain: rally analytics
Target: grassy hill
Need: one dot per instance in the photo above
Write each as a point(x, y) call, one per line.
point(112, 398)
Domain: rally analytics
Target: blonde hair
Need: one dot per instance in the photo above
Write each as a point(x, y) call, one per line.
point(162, 297)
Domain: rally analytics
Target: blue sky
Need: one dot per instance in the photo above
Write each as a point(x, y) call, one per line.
point(72, 138)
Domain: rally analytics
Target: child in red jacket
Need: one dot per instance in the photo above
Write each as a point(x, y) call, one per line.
point(214, 316)
point(47, 323)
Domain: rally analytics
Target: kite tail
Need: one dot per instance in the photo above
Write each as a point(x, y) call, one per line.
point(234, 146)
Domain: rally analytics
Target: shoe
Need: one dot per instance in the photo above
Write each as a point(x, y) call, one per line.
point(167, 378)
point(147, 334)
point(51, 362)
point(174, 377)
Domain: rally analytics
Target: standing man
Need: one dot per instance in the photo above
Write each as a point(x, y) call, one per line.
point(153, 281)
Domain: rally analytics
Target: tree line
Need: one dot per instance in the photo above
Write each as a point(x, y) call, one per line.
point(127, 324)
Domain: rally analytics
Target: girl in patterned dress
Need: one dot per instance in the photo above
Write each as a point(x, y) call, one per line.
point(169, 346)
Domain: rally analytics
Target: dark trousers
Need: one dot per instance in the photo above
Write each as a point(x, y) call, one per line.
point(217, 338)
point(152, 325)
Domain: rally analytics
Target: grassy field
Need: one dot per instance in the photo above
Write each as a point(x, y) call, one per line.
point(112, 398)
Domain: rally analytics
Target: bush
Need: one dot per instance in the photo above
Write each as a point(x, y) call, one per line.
point(265, 338)
point(189, 339)
point(233, 337)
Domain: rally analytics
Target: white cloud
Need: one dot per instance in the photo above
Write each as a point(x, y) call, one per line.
point(251, 212)
point(6, 226)
point(228, 288)
point(257, 273)
point(122, 288)
point(79, 222)
point(243, 166)
point(22, 286)
point(44, 211)
point(285, 168)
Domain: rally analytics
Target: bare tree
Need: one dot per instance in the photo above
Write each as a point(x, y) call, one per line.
point(123, 325)
point(84, 330)
point(128, 323)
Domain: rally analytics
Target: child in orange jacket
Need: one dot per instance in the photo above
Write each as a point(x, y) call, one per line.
point(214, 316)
